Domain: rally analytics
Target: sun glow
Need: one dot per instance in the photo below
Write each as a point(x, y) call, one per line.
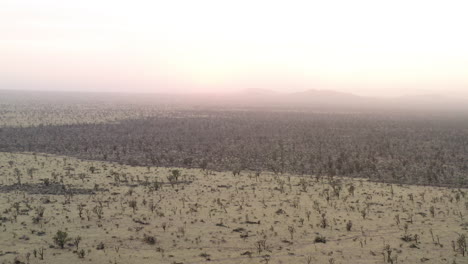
point(368, 47)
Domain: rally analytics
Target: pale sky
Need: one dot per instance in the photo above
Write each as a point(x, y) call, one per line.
point(367, 47)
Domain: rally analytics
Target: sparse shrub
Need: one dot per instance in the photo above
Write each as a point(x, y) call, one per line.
point(156, 185)
point(40, 211)
point(409, 238)
point(39, 214)
point(336, 187)
point(320, 239)
point(150, 240)
point(205, 256)
point(261, 245)
point(100, 246)
point(46, 181)
point(236, 171)
point(81, 253)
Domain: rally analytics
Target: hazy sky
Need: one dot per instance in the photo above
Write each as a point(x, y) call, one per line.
point(366, 47)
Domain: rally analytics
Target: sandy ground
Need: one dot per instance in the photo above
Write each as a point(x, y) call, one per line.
point(215, 217)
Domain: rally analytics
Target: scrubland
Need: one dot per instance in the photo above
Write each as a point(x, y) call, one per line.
point(110, 180)
point(112, 213)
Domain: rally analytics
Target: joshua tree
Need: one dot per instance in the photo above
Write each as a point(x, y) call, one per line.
point(304, 184)
point(174, 177)
point(77, 241)
point(80, 209)
point(175, 174)
point(31, 172)
point(41, 253)
point(98, 210)
point(61, 238)
point(18, 176)
point(323, 221)
point(461, 242)
point(291, 230)
point(39, 214)
point(133, 205)
point(69, 169)
point(351, 189)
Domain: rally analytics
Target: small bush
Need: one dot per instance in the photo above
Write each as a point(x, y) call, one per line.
point(407, 238)
point(81, 253)
point(320, 239)
point(149, 239)
point(100, 246)
point(410, 238)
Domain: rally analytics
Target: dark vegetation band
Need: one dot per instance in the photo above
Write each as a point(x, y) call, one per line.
point(390, 148)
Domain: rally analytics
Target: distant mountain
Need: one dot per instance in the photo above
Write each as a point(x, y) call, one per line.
point(421, 97)
point(308, 98)
point(314, 99)
point(328, 95)
point(432, 101)
point(324, 93)
point(258, 91)
point(332, 100)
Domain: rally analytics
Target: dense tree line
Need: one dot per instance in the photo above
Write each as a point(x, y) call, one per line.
point(393, 148)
